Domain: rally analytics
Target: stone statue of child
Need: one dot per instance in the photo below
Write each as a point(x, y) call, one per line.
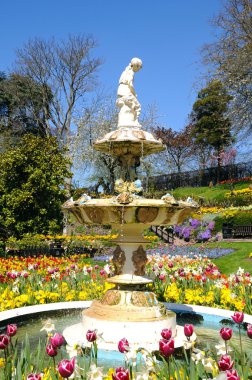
point(130, 107)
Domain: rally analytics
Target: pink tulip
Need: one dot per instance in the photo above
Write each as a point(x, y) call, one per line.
point(121, 374)
point(11, 330)
point(238, 317)
point(232, 375)
point(57, 340)
point(34, 376)
point(249, 331)
point(51, 350)
point(66, 367)
point(226, 333)
point(225, 363)
point(123, 345)
point(166, 334)
point(188, 330)
point(4, 341)
point(161, 277)
point(166, 347)
point(91, 336)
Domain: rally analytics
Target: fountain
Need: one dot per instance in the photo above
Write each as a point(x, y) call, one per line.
point(129, 309)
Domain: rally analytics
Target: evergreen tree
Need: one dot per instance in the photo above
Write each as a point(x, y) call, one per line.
point(31, 187)
point(211, 126)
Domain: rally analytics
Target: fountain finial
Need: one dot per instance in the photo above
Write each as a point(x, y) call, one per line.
point(127, 101)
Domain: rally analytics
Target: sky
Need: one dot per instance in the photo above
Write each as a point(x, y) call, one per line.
point(165, 34)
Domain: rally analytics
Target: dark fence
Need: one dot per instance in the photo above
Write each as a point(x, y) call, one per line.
point(196, 178)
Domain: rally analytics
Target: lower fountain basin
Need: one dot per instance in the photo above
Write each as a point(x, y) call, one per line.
point(206, 320)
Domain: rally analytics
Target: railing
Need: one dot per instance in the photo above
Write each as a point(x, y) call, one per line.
point(203, 177)
point(165, 233)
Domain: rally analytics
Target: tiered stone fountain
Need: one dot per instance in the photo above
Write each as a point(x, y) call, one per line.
point(129, 309)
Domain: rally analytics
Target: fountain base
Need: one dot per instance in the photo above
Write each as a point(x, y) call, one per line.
point(131, 314)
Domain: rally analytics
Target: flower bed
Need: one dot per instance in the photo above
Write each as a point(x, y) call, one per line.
point(189, 278)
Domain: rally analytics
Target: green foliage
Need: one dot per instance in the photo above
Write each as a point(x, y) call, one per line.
point(210, 124)
point(31, 187)
point(240, 219)
point(23, 108)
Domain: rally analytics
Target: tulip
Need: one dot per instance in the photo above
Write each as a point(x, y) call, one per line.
point(238, 317)
point(51, 350)
point(166, 347)
point(121, 374)
point(34, 376)
point(226, 333)
point(161, 277)
point(225, 363)
point(4, 341)
point(188, 330)
point(249, 331)
point(57, 340)
point(232, 375)
point(123, 345)
point(66, 367)
point(166, 334)
point(91, 336)
point(11, 330)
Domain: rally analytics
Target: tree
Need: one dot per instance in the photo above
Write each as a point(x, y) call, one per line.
point(99, 118)
point(178, 145)
point(210, 125)
point(230, 58)
point(21, 108)
point(68, 69)
point(31, 192)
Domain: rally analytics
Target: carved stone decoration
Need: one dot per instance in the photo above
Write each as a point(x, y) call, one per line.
point(111, 297)
point(95, 214)
point(124, 198)
point(146, 214)
point(139, 260)
point(118, 260)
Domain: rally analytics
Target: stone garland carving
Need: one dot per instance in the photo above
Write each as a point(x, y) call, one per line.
point(118, 260)
point(139, 260)
point(95, 214)
point(146, 214)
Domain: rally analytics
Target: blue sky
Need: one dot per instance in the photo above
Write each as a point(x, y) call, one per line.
point(166, 34)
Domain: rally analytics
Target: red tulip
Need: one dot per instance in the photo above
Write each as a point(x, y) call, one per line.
point(232, 375)
point(249, 331)
point(123, 345)
point(51, 350)
point(166, 347)
point(34, 376)
point(226, 333)
point(188, 330)
point(91, 335)
point(225, 363)
point(166, 334)
point(4, 341)
point(66, 367)
point(57, 340)
point(11, 330)
point(121, 374)
point(238, 317)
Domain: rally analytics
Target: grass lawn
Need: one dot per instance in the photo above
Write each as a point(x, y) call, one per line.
point(208, 193)
point(230, 263)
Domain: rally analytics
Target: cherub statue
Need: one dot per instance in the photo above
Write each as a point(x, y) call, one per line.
point(130, 107)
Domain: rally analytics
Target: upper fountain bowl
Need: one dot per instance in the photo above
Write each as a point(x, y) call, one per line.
point(129, 140)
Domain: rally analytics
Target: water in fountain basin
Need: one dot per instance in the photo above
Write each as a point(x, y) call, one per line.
point(206, 327)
